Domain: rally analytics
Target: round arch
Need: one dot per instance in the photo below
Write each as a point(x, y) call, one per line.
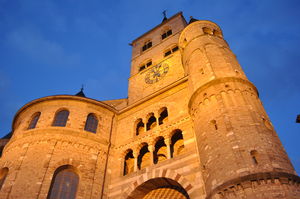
point(161, 187)
point(159, 179)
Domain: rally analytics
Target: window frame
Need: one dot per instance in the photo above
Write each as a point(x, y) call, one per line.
point(34, 120)
point(147, 45)
point(170, 50)
point(61, 122)
point(58, 172)
point(91, 123)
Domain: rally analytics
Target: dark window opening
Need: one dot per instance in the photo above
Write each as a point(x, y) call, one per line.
point(139, 127)
point(1, 150)
point(91, 123)
point(214, 124)
point(175, 49)
point(163, 116)
point(144, 66)
point(143, 158)
point(64, 183)
point(166, 34)
point(168, 53)
point(147, 45)
point(151, 123)
point(160, 152)
point(149, 63)
point(3, 174)
point(61, 118)
point(177, 144)
point(254, 155)
point(34, 120)
point(128, 163)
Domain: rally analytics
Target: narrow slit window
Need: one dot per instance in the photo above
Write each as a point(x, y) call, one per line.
point(254, 155)
point(214, 124)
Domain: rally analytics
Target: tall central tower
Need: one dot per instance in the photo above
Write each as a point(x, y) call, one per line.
point(241, 155)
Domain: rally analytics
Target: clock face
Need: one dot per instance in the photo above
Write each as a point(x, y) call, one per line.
point(156, 73)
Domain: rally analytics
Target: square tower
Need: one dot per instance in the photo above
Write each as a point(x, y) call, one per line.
point(156, 60)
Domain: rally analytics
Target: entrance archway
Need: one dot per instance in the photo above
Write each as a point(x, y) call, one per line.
point(159, 188)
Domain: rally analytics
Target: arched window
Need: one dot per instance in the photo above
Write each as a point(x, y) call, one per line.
point(3, 174)
point(163, 116)
point(140, 126)
point(177, 145)
point(144, 157)
point(91, 123)
point(64, 183)
point(145, 65)
point(160, 152)
point(61, 118)
point(34, 120)
point(147, 45)
point(128, 162)
point(151, 122)
point(171, 50)
point(166, 33)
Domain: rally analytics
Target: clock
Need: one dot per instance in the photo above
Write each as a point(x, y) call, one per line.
point(156, 73)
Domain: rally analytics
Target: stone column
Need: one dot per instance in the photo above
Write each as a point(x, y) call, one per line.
point(151, 149)
point(157, 122)
point(168, 143)
point(135, 167)
point(145, 126)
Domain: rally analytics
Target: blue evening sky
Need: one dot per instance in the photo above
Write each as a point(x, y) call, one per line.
point(50, 47)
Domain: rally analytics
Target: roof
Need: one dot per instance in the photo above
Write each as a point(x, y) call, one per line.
point(192, 20)
point(159, 25)
point(7, 136)
point(80, 93)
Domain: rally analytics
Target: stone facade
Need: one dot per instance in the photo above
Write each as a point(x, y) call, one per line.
point(193, 126)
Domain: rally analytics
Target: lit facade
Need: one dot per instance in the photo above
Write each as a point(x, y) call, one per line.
point(192, 126)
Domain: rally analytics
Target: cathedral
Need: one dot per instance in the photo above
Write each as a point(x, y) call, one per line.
point(192, 127)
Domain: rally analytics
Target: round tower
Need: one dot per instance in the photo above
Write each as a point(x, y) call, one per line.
point(240, 152)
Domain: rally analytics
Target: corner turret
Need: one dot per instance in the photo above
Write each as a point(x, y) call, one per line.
point(237, 144)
